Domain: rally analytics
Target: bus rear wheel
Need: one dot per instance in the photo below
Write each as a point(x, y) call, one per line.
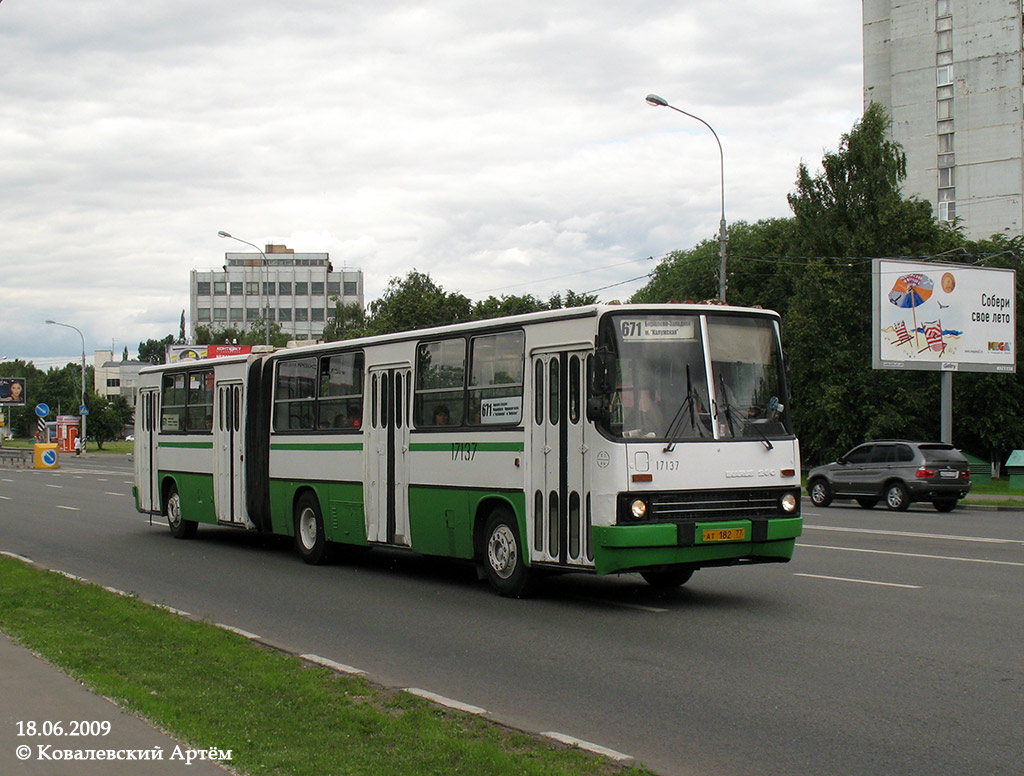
point(310, 541)
point(180, 528)
point(667, 579)
point(504, 563)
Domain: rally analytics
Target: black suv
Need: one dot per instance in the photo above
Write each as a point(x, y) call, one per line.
point(895, 470)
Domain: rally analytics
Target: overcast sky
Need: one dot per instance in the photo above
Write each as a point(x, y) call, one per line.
point(502, 148)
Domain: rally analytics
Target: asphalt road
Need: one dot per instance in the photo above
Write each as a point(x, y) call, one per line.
point(892, 644)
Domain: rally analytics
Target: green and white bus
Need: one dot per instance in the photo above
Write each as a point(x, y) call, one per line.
point(602, 439)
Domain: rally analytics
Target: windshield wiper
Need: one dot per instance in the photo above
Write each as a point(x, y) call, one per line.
point(729, 414)
point(689, 402)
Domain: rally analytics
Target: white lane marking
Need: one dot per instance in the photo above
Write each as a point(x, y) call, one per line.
point(860, 581)
point(913, 555)
point(602, 750)
point(111, 493)
point(72, 509)
point(6, 498)
point(15, 555)
point(239, 631)
point(880, 532)
point(458, 705)
point(48, 485)
point(341, 667)
point(6, 480)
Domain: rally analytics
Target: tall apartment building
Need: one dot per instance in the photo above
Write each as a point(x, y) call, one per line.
point(298, 290)
point(949, 72)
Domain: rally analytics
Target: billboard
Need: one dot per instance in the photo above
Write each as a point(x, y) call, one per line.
point(177, 353)
point(948, 317)
point(12, 391)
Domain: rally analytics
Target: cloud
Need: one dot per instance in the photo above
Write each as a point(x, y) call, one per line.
point(493, 147)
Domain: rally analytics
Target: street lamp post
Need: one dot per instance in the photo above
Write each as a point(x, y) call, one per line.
point(723, 236)
point(81, 407)
point(263, 282)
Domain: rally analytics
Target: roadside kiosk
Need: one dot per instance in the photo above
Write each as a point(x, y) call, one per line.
point(1015, 468)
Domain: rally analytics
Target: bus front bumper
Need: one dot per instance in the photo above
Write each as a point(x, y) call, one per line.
point(634, 547)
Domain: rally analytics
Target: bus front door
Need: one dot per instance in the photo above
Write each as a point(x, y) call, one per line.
point(560, 524)
point(386, 484)
point(228, 473)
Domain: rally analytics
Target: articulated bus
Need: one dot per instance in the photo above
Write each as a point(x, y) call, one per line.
point(603, 439)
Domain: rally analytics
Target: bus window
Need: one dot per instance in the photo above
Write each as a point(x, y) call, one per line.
point(496, 379)
point(295, 394)
point(340, 404)
point(199, 414)
point(172, 418)
point(440, 383)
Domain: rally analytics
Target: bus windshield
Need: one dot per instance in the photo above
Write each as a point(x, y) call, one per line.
point(688, 377)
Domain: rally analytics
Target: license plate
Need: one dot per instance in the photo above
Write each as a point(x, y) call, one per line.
point(724, 535)
point(949, 475)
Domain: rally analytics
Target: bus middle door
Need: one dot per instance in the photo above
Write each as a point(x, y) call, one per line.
point(229, 493)
point(386, 484)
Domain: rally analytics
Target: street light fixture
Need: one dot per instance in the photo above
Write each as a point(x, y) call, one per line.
point(263, 283)
point(723, 237)
point(81, 408)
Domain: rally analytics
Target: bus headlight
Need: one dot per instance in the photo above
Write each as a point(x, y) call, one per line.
point(638, 508)
point(789, 502)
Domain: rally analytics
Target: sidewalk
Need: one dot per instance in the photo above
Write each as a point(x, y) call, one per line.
point(33, 691)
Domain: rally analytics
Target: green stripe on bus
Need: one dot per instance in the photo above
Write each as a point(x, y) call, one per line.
point(317, 446)
point(189, 445)
point(446, 447)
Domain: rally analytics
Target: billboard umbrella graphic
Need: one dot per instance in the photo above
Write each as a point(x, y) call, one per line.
point(912, 291)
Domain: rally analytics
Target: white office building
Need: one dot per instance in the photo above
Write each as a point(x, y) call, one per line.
point(115, 377)
point(949, 73)
point(298, 290)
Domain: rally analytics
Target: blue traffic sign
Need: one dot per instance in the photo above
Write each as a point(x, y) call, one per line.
point(49, 457)
point(83, 410)
point(42, 410)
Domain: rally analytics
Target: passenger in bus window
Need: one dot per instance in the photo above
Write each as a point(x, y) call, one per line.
point(441, 415)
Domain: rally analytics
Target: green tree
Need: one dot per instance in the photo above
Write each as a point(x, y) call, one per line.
point(507, 304)
point(349, 321)
point(154, 351)
point(415, 302)
point(252, 335)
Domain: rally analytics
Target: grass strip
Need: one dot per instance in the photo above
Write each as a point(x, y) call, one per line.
point(278, 715)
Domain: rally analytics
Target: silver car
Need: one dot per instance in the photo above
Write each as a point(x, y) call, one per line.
point(897, 471)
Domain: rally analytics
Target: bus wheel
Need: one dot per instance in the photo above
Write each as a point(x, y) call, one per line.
point(503, 556)
point(180, 529)
point(309, 530)
point(667, 578)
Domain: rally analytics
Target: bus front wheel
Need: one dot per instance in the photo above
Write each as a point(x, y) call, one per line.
point(309, 530)
point(180, 528)
point(503, 556)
